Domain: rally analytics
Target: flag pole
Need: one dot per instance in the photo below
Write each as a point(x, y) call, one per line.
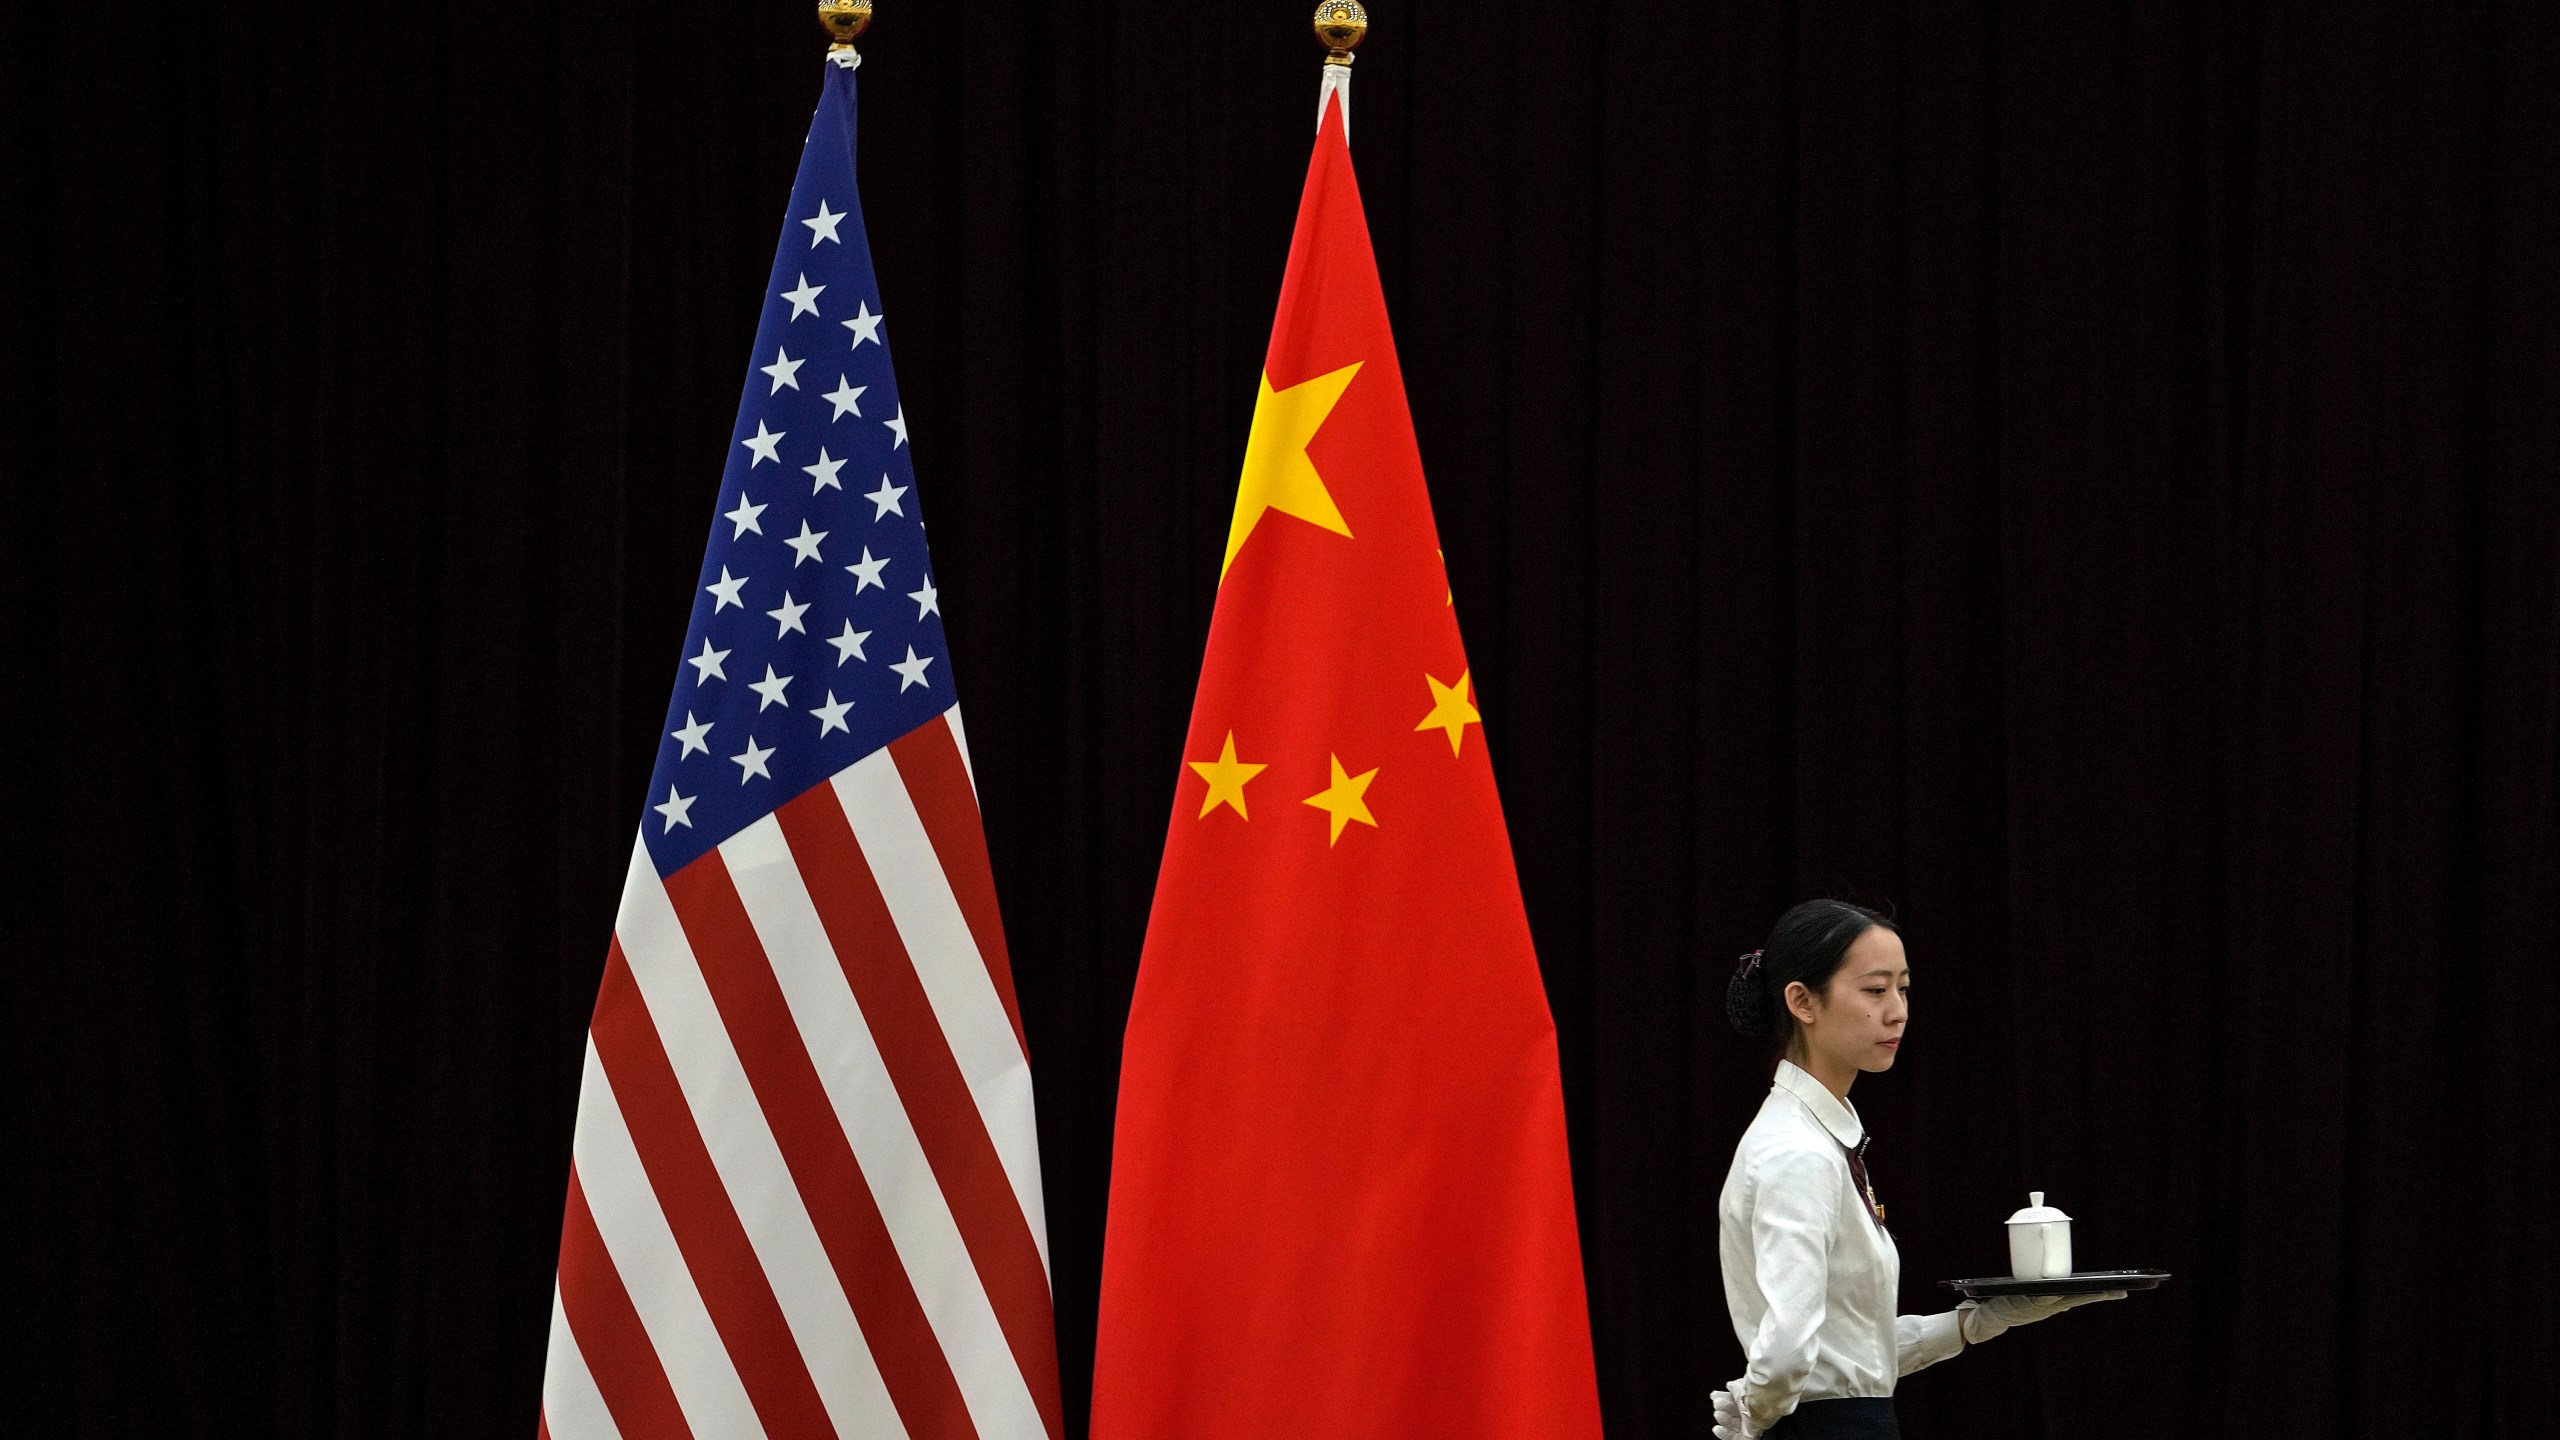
point(1339, 25)
point(844, 20)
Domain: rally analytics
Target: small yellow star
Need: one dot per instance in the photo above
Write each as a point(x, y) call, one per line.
point(1226, 776)
point(1342, 799)
point(1451, 710)
point(1277, 473)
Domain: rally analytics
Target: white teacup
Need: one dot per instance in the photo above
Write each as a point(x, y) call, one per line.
point(2039, 1241)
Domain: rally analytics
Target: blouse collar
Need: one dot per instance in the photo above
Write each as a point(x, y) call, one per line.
point(1834, 1113)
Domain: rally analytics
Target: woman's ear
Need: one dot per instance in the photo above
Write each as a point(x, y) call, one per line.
point(1800, 1002)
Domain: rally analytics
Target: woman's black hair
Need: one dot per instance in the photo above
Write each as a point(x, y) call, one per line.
point(1806, 944)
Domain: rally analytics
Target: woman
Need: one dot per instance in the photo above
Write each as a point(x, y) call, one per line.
point(1809, 1268)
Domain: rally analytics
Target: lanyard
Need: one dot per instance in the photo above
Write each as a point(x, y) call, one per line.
point(1858, 1172)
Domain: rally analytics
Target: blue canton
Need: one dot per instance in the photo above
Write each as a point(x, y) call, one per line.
point(817, 634)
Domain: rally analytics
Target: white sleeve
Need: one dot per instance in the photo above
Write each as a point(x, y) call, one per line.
point(1920, 1341)
point(1794, 1206)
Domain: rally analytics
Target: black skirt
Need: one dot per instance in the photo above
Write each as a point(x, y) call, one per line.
point(1868, 1417)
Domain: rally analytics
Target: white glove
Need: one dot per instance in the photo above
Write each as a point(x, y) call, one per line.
point(1731, 1422)
point(1983, 1319)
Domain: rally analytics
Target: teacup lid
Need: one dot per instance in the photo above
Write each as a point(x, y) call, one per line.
point(2037, 1212)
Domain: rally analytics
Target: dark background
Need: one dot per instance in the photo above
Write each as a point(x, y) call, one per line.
point(2086, 475)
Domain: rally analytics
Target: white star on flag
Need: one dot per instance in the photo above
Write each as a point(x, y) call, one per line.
point(675, 809)
point(864, 324)
point(805, 545)
point(899, 428)
point(707, 664)
point(787, 618)
point(822, 226)
point(750, 761)
point(831, 715)
point(822, 475)
point(784, 370)
point(690, 735)
point(866, 575)
point(927, 600)
point(846, 397)
point(771, 688)
point(849, 644)
point(804, 301)
point(911, 671)
point(766, 444)
point(744, 517)
point(726, 590)
point(885, 500)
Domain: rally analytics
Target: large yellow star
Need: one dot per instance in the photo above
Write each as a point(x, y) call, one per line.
point(1342, 800)
point(1451, 710)
point(1226, 776)
point(1277, 473)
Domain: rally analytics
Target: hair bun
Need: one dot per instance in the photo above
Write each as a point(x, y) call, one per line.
point(1805, 948)
point(1746, 1003)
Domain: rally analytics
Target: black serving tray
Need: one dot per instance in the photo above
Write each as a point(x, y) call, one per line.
point(2082, 1282)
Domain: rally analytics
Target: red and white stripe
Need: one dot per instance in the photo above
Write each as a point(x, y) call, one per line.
point(806, 1191)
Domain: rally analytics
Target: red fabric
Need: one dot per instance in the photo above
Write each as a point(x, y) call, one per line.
point(1340, 1204)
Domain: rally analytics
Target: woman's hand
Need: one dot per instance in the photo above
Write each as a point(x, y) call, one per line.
point(1731, 1423)
point(1984, 1319)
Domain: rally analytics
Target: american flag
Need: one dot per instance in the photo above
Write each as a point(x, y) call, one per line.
point(805, 1190)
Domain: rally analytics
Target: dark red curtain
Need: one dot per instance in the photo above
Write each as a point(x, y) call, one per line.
point(2088, 476)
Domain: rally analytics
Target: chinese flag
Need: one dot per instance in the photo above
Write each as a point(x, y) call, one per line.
point(1340, 1205)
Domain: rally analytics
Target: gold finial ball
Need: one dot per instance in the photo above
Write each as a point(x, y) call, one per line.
point(844, 20)
point(1340, 24)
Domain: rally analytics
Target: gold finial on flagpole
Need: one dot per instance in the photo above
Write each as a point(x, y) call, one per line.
point(844, 19)
point(1340, 24)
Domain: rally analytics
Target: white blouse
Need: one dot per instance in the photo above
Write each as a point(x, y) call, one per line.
point(1809, 1274)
